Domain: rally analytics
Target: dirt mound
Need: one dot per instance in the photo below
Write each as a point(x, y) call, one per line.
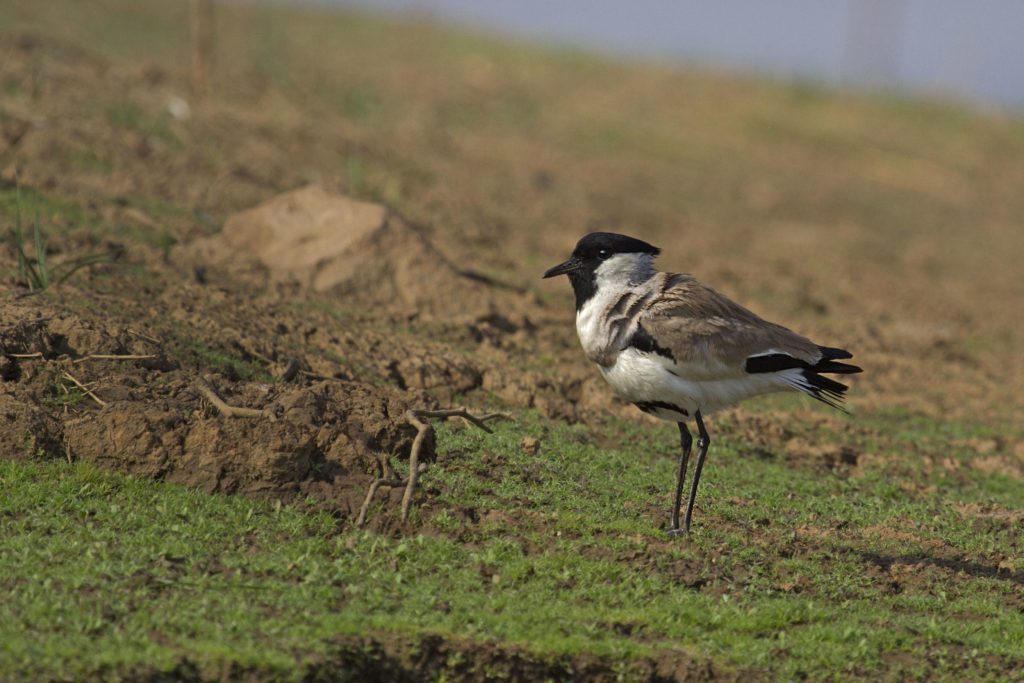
point(88, 389)
point(323, 439)
point(358, 249)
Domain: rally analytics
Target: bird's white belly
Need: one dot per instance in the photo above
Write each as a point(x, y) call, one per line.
point(640, 377)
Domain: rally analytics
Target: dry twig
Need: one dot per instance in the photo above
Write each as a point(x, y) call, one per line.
point(417, 419)
point(91, 356)
point(87, 390)
point(140, 335)
point(478, 421)
point(257, 355)
point(227, 411)
point(376, 484)
point(113, 356)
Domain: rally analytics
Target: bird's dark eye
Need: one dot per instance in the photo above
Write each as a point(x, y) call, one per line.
point(604, 254)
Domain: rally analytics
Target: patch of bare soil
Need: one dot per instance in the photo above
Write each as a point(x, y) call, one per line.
point(783, 435)
point(89, 389)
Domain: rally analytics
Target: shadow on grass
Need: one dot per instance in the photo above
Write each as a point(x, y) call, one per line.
point(399, 660)
point(976, 569)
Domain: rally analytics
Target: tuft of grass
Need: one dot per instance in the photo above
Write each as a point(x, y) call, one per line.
point(35, 270)
point(235, 368)
point(64, 395)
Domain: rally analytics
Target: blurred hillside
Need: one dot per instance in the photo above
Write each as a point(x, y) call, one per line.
point(943, 48)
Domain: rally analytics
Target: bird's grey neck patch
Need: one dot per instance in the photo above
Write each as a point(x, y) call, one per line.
point(618, 272)
point(624, 270)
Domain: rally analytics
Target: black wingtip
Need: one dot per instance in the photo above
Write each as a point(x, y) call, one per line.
point(828, 363)
point(810, 380)
point(777, 362)
point(837, 368)
point(833, 353)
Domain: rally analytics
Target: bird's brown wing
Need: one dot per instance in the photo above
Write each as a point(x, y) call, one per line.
point(698, 326)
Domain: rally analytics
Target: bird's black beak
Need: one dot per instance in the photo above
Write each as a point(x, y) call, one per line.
point(563, 268)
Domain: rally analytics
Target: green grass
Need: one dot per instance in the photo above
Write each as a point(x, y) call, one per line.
point(560, 553)
point(35, 270)
point(194, 352)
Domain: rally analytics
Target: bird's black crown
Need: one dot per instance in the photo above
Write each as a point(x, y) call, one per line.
point(587, 257)
point(603, 244)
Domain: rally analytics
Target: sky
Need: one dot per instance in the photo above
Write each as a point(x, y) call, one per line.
point(965, 49)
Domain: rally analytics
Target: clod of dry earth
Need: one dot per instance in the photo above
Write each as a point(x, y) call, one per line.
point(359, 249)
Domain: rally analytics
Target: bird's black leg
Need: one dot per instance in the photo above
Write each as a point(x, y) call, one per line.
point(703, 441)
point(685, 444)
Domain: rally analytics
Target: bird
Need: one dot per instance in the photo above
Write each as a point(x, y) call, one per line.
point(679, 350)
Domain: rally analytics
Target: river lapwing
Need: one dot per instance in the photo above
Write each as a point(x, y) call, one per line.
point(679, 350)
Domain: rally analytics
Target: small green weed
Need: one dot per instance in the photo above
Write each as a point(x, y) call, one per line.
point(65, 396)
point(221, 361)
point(35, 270)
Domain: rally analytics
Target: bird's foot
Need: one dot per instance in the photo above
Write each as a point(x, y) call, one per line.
point(676, 531)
